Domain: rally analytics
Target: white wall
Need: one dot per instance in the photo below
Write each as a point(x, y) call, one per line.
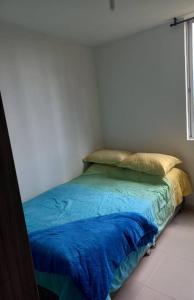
point(50, 98)
point(142, 93)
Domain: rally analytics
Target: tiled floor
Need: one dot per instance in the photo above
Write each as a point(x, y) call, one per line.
point(168, 273)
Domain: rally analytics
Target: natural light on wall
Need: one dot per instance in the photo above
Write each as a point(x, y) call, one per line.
point(189, 51)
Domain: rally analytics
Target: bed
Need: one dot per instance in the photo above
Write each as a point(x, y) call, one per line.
point(104, 190)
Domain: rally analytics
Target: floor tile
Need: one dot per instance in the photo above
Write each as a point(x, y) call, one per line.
point(185, 218)
point(129, 290)
point(175, 278)
point(148, 265)
point(178, 237)
point(149, 294)
point(178, 243)
point(168, 273)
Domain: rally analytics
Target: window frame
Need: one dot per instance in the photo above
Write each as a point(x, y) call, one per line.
point(189, 27)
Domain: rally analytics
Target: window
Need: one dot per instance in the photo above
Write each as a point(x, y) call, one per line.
point(189, 33)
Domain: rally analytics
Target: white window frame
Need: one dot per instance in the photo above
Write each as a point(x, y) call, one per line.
point(189, 79)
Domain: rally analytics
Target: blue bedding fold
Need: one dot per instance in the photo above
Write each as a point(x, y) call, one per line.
point(90, 250)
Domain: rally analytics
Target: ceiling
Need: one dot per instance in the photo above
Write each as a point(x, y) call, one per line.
point(91, 22)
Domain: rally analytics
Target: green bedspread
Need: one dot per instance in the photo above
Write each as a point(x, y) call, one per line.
point(100, 190)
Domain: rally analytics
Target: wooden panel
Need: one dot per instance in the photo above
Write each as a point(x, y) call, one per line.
point(16, 271)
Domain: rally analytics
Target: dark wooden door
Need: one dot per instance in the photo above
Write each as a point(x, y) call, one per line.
point(17, 280)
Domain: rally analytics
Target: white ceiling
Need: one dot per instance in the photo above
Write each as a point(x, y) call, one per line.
point(91, 22)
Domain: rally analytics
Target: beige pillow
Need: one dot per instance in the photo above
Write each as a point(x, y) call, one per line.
point(108, 157)
point(150, 163)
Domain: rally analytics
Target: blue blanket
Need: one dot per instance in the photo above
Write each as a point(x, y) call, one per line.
point(90, 250)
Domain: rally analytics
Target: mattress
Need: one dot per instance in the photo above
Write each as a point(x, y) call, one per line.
point(103, 190)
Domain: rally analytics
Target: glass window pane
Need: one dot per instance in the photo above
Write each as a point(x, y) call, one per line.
point(190, 80)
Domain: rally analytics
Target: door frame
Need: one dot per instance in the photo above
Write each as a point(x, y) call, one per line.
point(17, 280)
